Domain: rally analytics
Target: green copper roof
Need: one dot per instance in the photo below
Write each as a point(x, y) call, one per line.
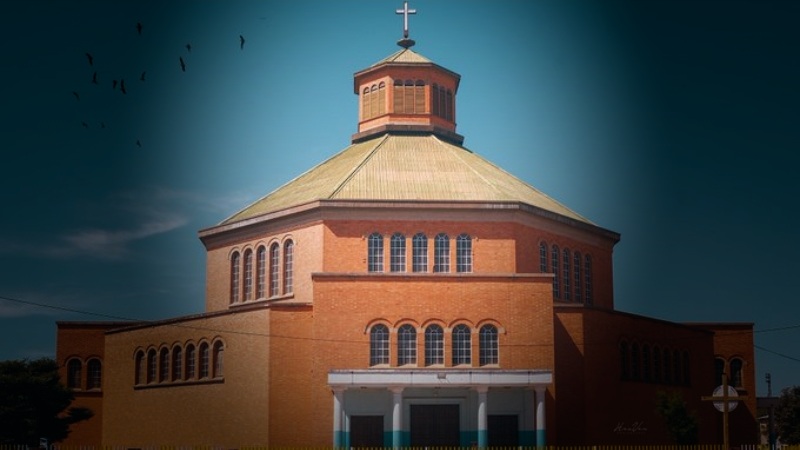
point(404, 167)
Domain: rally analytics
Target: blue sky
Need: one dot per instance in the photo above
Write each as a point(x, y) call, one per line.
point(673, 123)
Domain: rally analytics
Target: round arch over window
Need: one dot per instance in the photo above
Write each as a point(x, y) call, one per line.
point(74, 373)
point(379, 345)
point(406, 345)
point(489, 353)
point(462, 345)
point(434, 345)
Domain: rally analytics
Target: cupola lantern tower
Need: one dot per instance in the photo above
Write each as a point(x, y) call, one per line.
point(406, 93)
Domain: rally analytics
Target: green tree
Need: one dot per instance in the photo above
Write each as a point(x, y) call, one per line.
point(787, 415)
point(34, 404)
point(681, 423)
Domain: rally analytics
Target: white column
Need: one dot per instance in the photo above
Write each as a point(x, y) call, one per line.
point(338, 394)
point(541, 435)
point(483, 430)
point(397, 418)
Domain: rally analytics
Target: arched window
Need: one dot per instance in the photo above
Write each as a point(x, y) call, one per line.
point(177, 363)
point(441, 253)
point(261, 270)
point(235, 277)
point(274, 269)
point(646, 363)
point(489, 348)
point(434, 345)
point(94, 372)
point(449, 105)
point(587, 273)
point(656, 365)
point(397, 253)
point(667, 366)
point(163, 365)
point(578, 262)
point(567, 271)
point(219, 353)
point(408, 97)
point(419, 253)
point(462, 345)
point(365, 104)
point(151, 366)
point(635, 362)
point(435, 106)
point(406, 345)
point(542, 257)
point(381, 98)
point(398, 97)
point(375, 253)
point(288, 267)
point(555, 271)
point(686, 372)
point(719, 371)
point(248, 275)
point(677, 373)
point(74, 375)
point(191, 362)
point(139, 376)
point(735, 379)
point(419, 97)
point(378, 345)
point(624, 361)
point(463, 253)
point(373, 101)
point(204, 360)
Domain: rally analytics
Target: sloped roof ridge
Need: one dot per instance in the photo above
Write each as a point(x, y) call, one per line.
point(494, 186)
point(404, 55)
point(338, 186)
point(472, 169)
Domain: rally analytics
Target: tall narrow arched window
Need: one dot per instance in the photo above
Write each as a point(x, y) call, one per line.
point(288, 267)
point(489, 346)
point(235, 277)
point(542, 257)
point(406, 345)
point(567, 271)
point(375, 253)
point(94, 374)
point(365, 104)
point(677, 373)
point(646, 364)
point(578, 263)
point(656, 365)
point(419, 97)
point(408, 97)
point(736, 366)
point(719, 370)
point(624, 361)
point(450, 106)
point(218, 357)
point(435, 105)
point(441, 253)
point(398, 97)
point(274, 269)
point(378, 345)
point(204, 360)
point(636, 362)
point(163, 365)
point(152, 364)
point(555, 271)
point(139, 376)
point(397, 253)
point(419, 253)
point(191, 362)
point(74, 373)
point(381, 98)
point(248, 275)
point(587, 274)
point(686, 372)
point(261, 271)
point(373, 101)
point(667, 366)
point(464, 253)
point(462, 345)
point(434, 345)
point(177, 363)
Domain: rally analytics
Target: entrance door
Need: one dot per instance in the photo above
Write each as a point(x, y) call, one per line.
point(366, 431)
point(503, 430)
point(434, 425)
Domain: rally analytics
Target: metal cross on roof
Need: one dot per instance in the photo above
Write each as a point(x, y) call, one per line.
point(405, 12)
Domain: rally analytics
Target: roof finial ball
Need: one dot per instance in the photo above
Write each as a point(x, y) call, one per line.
point(405, 42)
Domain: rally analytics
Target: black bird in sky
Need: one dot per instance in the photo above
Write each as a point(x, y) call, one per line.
point(85, 125)
point(138, 143)
point(241, 42)
point(122, 86)
point(183, 64)
point(189, 48)
point(94, 78)
point(90, 58)
point(77, 96)
point(142, 77)
point(139, 28)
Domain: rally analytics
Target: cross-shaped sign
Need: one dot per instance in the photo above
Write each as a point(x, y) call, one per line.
point(725, 399)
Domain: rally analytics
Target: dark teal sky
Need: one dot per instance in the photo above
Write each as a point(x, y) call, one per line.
point(673, 123)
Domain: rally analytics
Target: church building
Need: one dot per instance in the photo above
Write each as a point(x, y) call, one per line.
point(404, 292)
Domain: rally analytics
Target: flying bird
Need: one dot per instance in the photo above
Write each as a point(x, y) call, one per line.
point(77, 96)
point(183, 64)
point(241, 42)
point(139, 28)
point(138, 143)
point(122, 86)
point(142, 77)
point(90, 58)
point(85, 125)
point(94, 78)
point(189, 48)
